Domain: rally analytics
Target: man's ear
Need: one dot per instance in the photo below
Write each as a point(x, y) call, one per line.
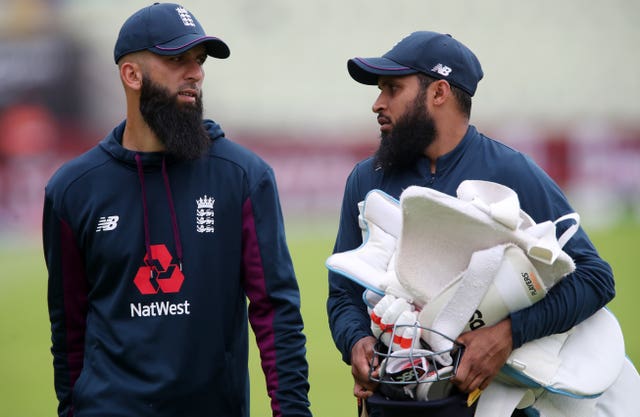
point(441, 90)
point(131, 75)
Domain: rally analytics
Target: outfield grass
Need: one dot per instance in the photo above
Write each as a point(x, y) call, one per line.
point(26, 382)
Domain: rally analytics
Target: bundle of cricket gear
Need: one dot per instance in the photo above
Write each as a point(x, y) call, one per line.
point(434, 266)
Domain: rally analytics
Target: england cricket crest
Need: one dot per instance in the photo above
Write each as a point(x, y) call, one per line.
point(204, 214)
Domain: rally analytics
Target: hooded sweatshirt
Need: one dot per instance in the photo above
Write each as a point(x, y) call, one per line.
point(151, 262)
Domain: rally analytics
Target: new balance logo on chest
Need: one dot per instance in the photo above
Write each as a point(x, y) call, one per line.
point(107, 224)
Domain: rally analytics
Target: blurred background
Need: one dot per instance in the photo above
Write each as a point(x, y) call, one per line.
point(561, 84)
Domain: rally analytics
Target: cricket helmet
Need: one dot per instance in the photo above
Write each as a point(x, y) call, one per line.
point(414, 373)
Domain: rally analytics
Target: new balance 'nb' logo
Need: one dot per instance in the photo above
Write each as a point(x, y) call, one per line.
point(106, 224)
point(442, 70)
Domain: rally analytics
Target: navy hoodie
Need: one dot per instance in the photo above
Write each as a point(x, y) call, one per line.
point(150, 262)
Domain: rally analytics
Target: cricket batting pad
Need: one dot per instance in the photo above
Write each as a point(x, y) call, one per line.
point(440, 233)
point(471, 260)
point(372, 264)
point(575, 373)
point(497, 281)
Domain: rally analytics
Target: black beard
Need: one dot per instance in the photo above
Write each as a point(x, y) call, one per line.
point(178, 126)
point(406, 143)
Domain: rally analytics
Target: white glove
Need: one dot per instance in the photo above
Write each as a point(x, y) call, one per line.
point(394, 322)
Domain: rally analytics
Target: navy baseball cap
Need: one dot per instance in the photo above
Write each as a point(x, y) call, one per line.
point(434, 54)
point(165, 29)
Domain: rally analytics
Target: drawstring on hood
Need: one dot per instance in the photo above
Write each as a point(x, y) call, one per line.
point(112, 144)
point(172, 209)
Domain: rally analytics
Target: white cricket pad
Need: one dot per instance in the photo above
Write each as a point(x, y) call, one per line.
point(449, 230)
point(372, 265)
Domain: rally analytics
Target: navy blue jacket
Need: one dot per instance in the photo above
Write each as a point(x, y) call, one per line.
point(151, 261)
point(476, 157)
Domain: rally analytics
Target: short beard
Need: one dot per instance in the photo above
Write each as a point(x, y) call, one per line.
point(178, 126)
point(412, 134)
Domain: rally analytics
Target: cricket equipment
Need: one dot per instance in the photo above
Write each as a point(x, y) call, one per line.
point(372, 265)
point(497, 281)
point(484, 244)
point(621, 399)
point(484, 255)
point(413, 373)
point(563, 375)
point(491, 216)
point(386, 317)
point(484, 215)
point(590, 283)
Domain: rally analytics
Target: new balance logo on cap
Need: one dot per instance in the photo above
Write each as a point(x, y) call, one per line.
point(106, 224)
point(442, 70)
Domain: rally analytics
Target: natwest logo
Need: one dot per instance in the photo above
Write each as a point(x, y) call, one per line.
point(159, 274)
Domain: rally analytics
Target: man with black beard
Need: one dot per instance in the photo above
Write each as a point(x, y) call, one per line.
point(426, 83)
point(154, 241)
point(403, 146)
point(177, 125)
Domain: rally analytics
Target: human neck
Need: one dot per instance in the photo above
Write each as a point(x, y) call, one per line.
point(139, 137)
point(447, 138)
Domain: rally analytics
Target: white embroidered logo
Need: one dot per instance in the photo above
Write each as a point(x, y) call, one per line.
point(442, 70)
point(106, 224)
point(185, 16)
point(204, 214)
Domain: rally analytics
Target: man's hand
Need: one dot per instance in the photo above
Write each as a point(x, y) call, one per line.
point(361, 356)
point(486, 350)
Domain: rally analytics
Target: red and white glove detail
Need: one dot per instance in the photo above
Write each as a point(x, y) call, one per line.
point(390, 312)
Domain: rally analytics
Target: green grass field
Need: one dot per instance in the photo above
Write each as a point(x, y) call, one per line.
point(26, 382)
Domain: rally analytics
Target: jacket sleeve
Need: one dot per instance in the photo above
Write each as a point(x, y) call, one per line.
point(67, 303)
point(274, 300)
point(578, 295)
point(348, 317)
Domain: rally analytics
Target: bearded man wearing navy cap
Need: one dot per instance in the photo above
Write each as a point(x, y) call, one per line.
point(426, 83)
point(155, 239)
